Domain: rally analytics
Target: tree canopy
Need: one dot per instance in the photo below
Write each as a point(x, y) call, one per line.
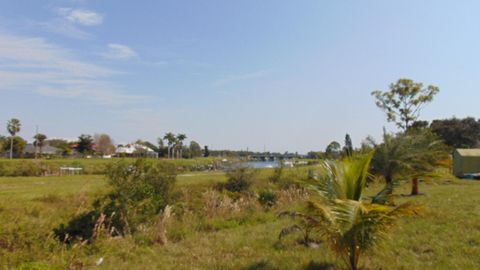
point(104, 144)
point(403, 102)
point(84, 144)
point(458, 133)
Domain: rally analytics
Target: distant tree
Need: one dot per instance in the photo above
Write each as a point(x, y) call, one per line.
point(104, 144)
point(367, 145)
point(195, 149)
point(63, 146)
point(419, 125)
point(458, 133)
point(206, 152)
point(16, 148)
point(403, 102)
point(315, 155)
point(13, 127)
point(333, 150)
point(84, 144)
point(161, 147)
point(348, 148)
point(39, 142)
point(180, 139)
point(171, 141)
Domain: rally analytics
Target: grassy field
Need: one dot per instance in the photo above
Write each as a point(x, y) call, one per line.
point(231, 234)
point(33, 167)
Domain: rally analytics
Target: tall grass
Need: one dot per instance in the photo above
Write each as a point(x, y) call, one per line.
point(231, 233)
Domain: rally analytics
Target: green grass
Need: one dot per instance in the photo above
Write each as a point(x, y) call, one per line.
point(445, 236)
point(32, 167)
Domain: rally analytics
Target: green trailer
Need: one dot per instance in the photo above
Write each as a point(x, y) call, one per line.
point(466, 162)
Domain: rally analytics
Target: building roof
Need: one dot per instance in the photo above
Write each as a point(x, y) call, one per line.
point(46, 149)
point(133, 148)
point(469, 152)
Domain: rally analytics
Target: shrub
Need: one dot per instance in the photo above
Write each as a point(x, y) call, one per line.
point(80, 227)
point(140, 191)
point(239, 180)
point(267, 198)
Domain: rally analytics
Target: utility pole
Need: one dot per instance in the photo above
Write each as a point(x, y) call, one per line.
point(36, 142)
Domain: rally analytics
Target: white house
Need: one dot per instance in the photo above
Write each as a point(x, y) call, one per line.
point(135, 150)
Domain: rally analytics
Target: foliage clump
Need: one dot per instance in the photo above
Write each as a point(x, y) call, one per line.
point(239, 180)
point(350, 226)
point(140, 191)
point(267, 198)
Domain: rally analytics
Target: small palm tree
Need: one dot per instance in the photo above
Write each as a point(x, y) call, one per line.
point(415, 153)
point(350, 226)
point(39, 142)
point(13, 127)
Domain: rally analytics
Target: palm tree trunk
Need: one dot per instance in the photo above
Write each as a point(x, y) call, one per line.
point(11, 147)
point(414, 186)
point(353, 259)
point(389, 185)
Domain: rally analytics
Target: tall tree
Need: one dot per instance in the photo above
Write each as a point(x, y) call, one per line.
point(195, 149)
point(206, 152)
point(161, 147)
point(39, 142)
point(104, 144)
point(333, 149)
point(180, 138)
point(84, 144)
point(18, 145)
point(62, 145)
point(13, 127)
point(171, 140)
point(348, 148)
point(403, 102)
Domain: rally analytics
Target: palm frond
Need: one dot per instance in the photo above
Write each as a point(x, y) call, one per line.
point(289, 230)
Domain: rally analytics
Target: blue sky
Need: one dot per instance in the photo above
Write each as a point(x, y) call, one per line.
point(290, 75)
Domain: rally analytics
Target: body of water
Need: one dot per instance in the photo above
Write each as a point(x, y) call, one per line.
point(263, 164)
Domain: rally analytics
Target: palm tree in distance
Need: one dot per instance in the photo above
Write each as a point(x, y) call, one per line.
point(180, 138)
point(39, 142)
point(13, 127)
point(171, 140)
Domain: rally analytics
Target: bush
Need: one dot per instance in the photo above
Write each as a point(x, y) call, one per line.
point(140, 191)
point(80, 227)
point(267, 198)
point(239, 180)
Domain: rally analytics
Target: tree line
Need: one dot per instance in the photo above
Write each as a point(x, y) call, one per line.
point(169, 146)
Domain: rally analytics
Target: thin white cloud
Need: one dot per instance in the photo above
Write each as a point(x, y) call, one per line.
point(33, 64)
point(69, 22)
point(81, 16)
point(120, 52)
point(240, 77)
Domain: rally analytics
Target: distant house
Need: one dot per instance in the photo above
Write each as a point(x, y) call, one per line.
point(466, 161)
point(30, 150)
point(135, 150)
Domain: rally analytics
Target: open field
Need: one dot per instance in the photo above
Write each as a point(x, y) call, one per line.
point(245, 236)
